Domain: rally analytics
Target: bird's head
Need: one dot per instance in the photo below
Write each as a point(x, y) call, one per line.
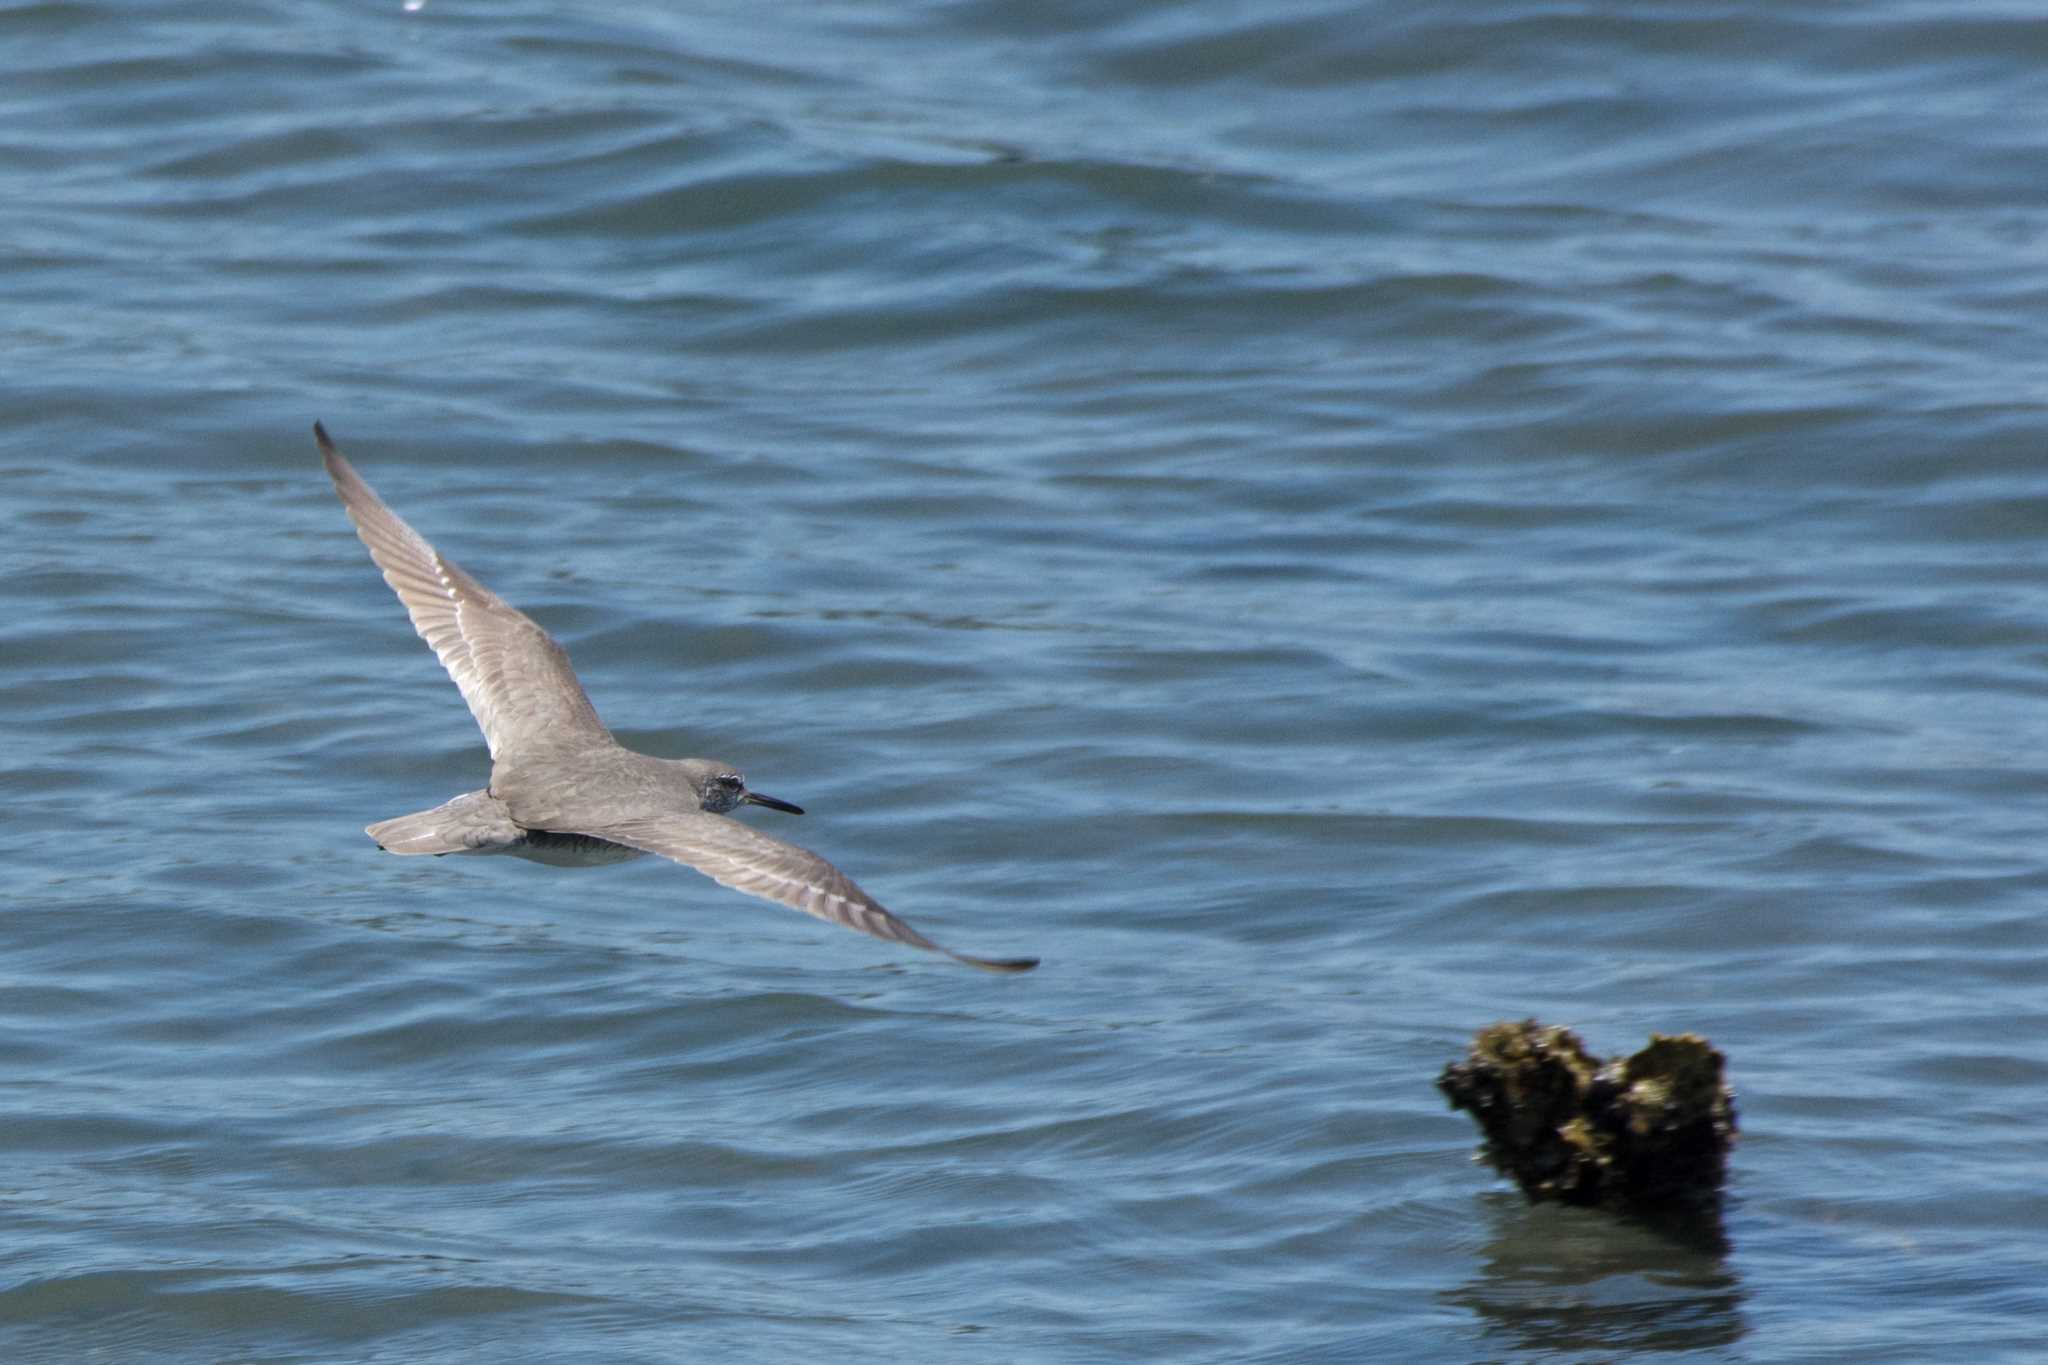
point(720, 787)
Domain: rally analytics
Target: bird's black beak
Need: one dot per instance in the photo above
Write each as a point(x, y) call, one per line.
point(756, 799)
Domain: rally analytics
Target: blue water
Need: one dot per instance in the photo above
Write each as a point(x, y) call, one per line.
point(1331, 524)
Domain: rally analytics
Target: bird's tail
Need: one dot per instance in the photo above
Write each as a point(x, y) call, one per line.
point(474, 822)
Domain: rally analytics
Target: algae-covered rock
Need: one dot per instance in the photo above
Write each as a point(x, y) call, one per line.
point(1644, 1133)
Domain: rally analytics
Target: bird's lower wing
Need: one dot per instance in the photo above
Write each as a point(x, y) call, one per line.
point(516, 679)
point(744, 859)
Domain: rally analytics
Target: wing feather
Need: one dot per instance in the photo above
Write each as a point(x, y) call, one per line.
point(516, 679)
point(735, 855)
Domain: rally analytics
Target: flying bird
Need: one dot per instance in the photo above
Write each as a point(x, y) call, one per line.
point(562, 790)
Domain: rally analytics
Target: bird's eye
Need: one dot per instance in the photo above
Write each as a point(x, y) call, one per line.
point(730, 781)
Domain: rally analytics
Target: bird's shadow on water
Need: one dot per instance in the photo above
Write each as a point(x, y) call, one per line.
point(1556, 1279)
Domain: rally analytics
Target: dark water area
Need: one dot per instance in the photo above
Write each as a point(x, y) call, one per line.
point(1333, 525)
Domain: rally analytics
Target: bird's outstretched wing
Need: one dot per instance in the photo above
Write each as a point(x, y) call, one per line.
point(516, 679)
point(744, 859)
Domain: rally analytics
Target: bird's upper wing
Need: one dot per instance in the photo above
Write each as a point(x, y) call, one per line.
point(516, 679)
point(744, 859)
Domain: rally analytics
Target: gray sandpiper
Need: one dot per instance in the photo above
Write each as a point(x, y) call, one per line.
point(562, 790)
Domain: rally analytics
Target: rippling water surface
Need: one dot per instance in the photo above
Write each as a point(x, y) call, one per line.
point(1332, 524)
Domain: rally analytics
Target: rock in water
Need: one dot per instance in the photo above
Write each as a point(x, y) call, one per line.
point(1648, 1133)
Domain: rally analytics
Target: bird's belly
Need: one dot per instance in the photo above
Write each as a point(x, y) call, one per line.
point(569, 850)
